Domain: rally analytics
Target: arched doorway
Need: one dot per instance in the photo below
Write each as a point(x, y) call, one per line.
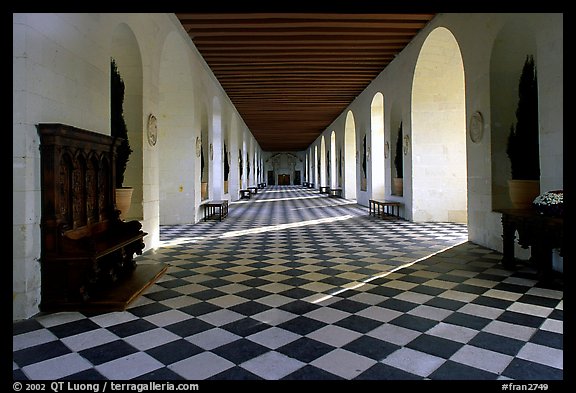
point(176, 140)
point(126, 53)
point(377, 146)
point(350, 157)
point(435, 149)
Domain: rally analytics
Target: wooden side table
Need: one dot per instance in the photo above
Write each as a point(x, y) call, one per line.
point(539, 232)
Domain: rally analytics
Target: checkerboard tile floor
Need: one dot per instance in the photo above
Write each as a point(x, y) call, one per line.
point(294, 285)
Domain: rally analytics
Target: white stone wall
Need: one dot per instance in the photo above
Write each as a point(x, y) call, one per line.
point(476, 36)
point(61, 73)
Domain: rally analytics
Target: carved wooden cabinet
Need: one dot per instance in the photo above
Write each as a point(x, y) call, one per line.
point(87, 251)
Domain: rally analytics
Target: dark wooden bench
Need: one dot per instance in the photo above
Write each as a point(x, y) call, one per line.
point(261, 185)
point(335, 192)
point(253, 190)
point(245, 194)
point(324, 189)
point(87, 251)
point(382, 208)
point(215, 210)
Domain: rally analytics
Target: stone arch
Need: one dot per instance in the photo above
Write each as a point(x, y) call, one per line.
point(435, 149)
point(513, 43)
point(350, 172)
point(377, 146)
point(176, 135)
point(125, 50)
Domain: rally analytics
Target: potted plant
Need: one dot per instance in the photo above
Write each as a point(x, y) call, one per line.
point(226, 169)
point(120, 131)
point(523, 148)
point(364, 175)
point(397, 181)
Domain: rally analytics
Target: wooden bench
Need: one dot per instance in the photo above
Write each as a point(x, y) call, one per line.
point(253, 190)
point(215, 210)
point(87, 251)
point(380, 208)
point(261, 185)
point(245, 194)
point(335, 192)
point(324, 189)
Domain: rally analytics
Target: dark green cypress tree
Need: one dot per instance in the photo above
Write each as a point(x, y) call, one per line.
point(226, 164)
point(398, 160)
point(118, 125)
point(523, 145)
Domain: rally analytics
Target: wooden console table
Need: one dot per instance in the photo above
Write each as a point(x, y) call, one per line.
point(539, 232)
point(215, 209)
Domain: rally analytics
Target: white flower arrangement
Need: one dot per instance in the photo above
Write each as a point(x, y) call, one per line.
point(549, 198)
point(550, 203)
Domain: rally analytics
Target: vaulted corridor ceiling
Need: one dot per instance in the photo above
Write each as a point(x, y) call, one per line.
point(292, 74)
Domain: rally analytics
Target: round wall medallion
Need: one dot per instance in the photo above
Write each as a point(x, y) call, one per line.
point(152, 130)
point(386, 149)
point(476, 127)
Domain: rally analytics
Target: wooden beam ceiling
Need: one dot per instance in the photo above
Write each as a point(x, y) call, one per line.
point(291, 74)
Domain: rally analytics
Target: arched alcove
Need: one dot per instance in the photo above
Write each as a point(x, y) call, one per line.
point(216, 146)
point(204, 153)
point(514, 42)
point(435, 149)
point(322, 163)
point(176, 134)
point(377, 146)
point(350, 157)
point(394, 154)
point(333, 168)
point(316, 168)
point(125, 50)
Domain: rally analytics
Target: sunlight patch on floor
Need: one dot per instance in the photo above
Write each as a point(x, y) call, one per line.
point(281, 227)
point(316, 299)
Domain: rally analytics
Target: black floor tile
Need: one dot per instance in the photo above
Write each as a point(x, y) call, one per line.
point(305, 349)
point(381, 371)
point(107, 352)
point(453, 371)
point(497, 343)
point(371, 347)
point(309, 372)
point(358, 323)
point(73, 328)
point(517, 318)
point(433, 345)
point(525, 370)
point(174, 351)
point(240, 351)
point(25, 357)
point(132, 327)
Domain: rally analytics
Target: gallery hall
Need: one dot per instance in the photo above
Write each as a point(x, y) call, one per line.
point(234, 196)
